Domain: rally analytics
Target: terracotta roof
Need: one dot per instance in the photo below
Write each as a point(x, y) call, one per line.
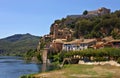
point(99, 43)
point(88, 40)
point(115, 41)
point(108, 38)
point(76, 41)
point(59, 40)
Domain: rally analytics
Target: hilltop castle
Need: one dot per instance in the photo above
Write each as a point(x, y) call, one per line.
point(98, 12)
point(65, 33)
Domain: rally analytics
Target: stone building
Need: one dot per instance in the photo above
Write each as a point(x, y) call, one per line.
point(100, 11)
point(78, 44)
point(64, 33)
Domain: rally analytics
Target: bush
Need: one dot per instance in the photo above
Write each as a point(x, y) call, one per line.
point(100, 59)
point(118, 60)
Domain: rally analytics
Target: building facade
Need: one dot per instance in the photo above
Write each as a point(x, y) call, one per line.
point(64, 33)
point(78, 44)
point(100, 11)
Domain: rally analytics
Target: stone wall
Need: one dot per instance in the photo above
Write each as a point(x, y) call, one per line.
point(44, 55)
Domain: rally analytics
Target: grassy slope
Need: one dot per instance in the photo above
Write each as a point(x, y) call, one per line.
point(83, 71)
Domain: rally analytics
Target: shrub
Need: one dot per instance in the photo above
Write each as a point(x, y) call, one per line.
point(118, 60)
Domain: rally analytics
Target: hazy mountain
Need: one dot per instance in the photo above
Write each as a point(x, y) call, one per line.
point(18, 44)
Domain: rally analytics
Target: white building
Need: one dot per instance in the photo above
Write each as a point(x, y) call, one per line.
point(78, 44)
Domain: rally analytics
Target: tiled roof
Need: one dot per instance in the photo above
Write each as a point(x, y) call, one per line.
point(78, 41)
point(59, 40)
point(115, 41)
point(88, 40)
point(108, 38)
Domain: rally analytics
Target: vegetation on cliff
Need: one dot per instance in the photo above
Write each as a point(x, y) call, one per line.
point(92, 26)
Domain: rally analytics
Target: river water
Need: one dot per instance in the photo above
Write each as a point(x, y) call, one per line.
point(14, 67)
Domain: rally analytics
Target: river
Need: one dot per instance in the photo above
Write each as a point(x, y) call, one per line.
point(14, 67)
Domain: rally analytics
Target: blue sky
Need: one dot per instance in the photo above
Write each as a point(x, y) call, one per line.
point(36, 16)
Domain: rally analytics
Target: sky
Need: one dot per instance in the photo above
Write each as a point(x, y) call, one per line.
point(36, 16)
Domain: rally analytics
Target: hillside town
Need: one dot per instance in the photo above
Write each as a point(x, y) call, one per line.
point(63, 39)
point(92, 38)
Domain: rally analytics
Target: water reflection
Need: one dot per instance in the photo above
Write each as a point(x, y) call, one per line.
point(44, 67)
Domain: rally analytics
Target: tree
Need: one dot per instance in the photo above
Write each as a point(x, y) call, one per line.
point(83, 27)
point(85, 12)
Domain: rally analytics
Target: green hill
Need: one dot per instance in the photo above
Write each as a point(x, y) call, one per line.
point(18, 44)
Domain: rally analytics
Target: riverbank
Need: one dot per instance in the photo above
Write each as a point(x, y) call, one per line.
point(82, 71)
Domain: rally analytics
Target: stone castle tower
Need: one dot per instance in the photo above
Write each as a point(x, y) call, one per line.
point(55, 32)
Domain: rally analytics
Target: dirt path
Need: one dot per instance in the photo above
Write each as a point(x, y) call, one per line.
point(53, 74)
